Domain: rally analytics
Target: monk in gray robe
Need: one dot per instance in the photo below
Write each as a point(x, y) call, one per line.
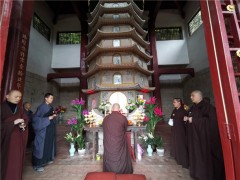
point(116, 157)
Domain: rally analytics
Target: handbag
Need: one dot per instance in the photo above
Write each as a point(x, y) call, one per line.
point(170, 122)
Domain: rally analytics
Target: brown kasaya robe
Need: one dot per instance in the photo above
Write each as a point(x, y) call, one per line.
point(179, 137)
point(204, 145)
point(13, 143)
point(116, 157)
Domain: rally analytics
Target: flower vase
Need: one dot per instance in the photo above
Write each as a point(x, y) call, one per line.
point(81, 152)
point(72, 149)
point(149, 150)
point(60, 118)
point(140, 108)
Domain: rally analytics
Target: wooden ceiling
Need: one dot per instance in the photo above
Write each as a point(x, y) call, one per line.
point(81, 7)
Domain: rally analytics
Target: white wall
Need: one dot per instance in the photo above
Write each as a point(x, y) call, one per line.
point(66, 56)
point(196, 43)
point(174, 51)
point(40, 49)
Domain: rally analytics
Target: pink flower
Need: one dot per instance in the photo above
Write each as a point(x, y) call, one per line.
point(146, 119)
point(77, 101)
point(72, 121)
point(158, 111)
point(85, 112)
point(151, 101)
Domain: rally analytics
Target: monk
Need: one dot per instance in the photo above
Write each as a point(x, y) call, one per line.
point(204, 145)
point(178, 134)
point(116, 157)
point(14, 134)
point(44, 125)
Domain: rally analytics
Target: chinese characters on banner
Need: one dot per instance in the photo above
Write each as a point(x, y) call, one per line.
point(22, 61)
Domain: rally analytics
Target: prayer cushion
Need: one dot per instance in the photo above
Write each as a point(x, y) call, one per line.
point(100, 176)
point(130, 177)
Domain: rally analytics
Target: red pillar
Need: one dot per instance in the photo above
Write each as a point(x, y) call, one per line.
point(155, 76)
point(223, 83)
point(17, 46)
point(5, 9)
point(84, 42)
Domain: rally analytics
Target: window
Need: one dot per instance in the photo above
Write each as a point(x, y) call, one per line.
point(117, 79)
point(116, 43)
point(117, 59)
point(169, 33)
point(195, 23)
point(68, 37)
point(116, 29)
point(41, 27)
point(115, 16)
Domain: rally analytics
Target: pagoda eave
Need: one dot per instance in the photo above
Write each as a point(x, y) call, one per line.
point(109, 35)
point(120, 87)
point(133, 49)
point(114, 67)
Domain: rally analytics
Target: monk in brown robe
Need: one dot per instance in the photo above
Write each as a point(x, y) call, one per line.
point(205, 151)
point(116, 157)
point(14, 134)
point(178, 134)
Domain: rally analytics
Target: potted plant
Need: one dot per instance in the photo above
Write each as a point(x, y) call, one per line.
point(71, 139)
point(77, 124)
point(158, 141)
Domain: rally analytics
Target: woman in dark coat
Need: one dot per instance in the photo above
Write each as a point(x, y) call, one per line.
point(178, 134)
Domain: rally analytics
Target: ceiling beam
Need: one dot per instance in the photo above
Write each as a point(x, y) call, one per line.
point(180, 9)
point(189, 71)
point(51, 76)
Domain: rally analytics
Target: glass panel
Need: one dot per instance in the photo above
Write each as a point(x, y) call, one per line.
point(41, 27)
point(117, 79)
point(116, 43)
point(169, 33)
point(195, 23)
point(115, 16)
point(116, 29)
point(117, 59)
point(69, 38)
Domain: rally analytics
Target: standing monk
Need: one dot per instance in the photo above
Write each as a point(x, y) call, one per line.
point(13, 137)
point(43, 122)
point(116, 157)
point(178, 134)
point(205, 151)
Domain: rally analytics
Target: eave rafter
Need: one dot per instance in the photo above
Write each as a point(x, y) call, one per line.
point(134, 49)
point(114, 67)
point(113, 35)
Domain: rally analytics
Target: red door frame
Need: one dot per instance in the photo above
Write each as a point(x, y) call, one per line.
point(224, 85)
point(5, 10)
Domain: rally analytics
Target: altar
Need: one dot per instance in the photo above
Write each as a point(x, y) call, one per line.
point(94, 130)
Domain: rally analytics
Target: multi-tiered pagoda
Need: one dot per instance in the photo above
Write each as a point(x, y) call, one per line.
point(117, 54)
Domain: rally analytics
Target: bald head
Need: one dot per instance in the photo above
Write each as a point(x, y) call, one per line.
point(115, 107)
point(14, 96)
point(196, 96)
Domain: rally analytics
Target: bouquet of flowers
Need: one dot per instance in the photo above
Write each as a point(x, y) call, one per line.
point(70, 137)
point(60, 109)
point(140, 100)
point(102, 105)
point(153, 115)
point(131, 105)
point(147, 139)
point(77, 123)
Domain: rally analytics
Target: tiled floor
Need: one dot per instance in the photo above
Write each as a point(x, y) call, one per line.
point(76, 167)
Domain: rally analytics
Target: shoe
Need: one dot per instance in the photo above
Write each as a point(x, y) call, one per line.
point(50, 162)
point(38, 169)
